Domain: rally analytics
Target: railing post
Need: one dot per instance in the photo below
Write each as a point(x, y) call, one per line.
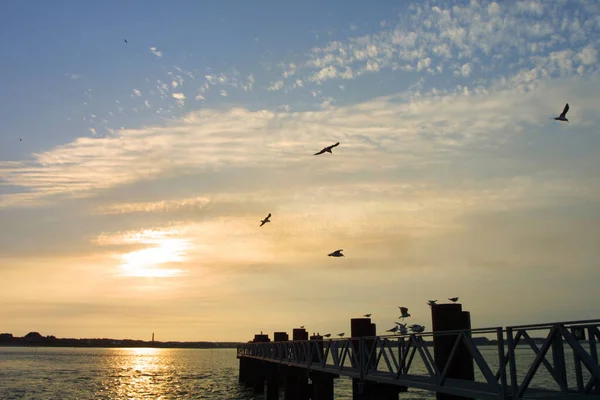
point(502, 362)
point(514, 385)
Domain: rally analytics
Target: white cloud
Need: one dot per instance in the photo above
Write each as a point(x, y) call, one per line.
point(275, 86)
point(223, 93)
point(465, 70)
point(200, 97)
point(137, 92)
point(588, 55)
point(179, 97)
point(93, 131)
point(154, 51)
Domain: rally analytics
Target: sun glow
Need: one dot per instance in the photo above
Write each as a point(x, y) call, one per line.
point(149, 262)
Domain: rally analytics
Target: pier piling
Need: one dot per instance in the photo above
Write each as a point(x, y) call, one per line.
point(450, 317)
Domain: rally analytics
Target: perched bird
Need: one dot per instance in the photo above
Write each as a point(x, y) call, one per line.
point(341, 334)
point(125, 40)
point(327, 335)
point(393, 330)
point(403, 312)
point(327, 149)
point(302, 327)
point(367, 315)
point(400, 324)
point(431, 302)
point(563, 115)
point(337, 253)
point(264, 221)
point(453, 299)
point(417, 328)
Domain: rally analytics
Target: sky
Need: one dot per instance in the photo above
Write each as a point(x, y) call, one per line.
point(134, 176)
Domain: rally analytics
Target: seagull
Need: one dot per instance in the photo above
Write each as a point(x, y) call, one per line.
point(404, 312)
point(327, 335)
point(125, 40)
point(327, 149)
point(393, 330)
point(337, 253)
point(431, 302)
point(563, 115)
point(400, 324)
point(264, 221)
point(453, 299)
point(417, 328)
point(367, 315)
point(341, 334)
point(302, 327)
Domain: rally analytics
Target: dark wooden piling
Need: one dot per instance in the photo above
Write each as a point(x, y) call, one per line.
point(296, 379)
point(368, 390)
point(450, 317)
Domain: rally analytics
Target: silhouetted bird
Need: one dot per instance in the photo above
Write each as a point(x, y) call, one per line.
point(431, 302)
point(264, 221)
point(563, 115)
point(393, 330)
point(327, 149)
point(125, 40)
point(302, 327)
point(453, 299)
point(337, 253)
point(403, 312)
point(327, 335)
point(341, 334)
point(367, 315)
point(417, 328)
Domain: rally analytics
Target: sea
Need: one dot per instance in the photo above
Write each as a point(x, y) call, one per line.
point(45, 373)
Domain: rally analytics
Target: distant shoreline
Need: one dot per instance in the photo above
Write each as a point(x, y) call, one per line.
point(36, 340)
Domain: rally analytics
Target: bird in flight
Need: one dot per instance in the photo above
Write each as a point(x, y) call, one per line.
point(431, 302)
point(264, 221)
point(403, 312)
point(327, 149)
point(563, 115)
point(453, 299)
point(367, 315)
point(337, 253)
point(125, 40)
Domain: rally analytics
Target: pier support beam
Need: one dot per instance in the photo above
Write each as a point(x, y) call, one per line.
point(295, 383)
point(449, 317)
point(272, 381)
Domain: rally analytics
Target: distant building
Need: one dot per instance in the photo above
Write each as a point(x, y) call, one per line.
point(6, 337)
point(33, 337)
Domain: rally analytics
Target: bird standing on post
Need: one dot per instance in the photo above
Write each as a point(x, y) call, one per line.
point(453, 299)
point(337, 253)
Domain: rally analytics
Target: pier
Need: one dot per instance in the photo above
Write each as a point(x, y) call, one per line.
point(453, 360)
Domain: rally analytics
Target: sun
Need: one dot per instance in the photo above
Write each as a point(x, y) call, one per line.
point(147, 262)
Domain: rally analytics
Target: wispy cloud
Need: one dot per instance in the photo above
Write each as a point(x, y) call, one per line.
point(156, 52)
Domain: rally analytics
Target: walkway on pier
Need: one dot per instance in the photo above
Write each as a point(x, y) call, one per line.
point(565, 362)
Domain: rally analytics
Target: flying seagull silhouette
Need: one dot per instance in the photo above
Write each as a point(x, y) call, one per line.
point(563, 115)
point(125, 40)
point(404, 312)
point(327, 149)
point(337, 253)
point(367, 315)
point(453, 299)
point(264, 221)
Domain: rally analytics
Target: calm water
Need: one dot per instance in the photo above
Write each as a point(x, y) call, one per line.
point(81, 373)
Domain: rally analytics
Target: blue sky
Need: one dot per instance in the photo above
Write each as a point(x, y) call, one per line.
point(145, 166)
